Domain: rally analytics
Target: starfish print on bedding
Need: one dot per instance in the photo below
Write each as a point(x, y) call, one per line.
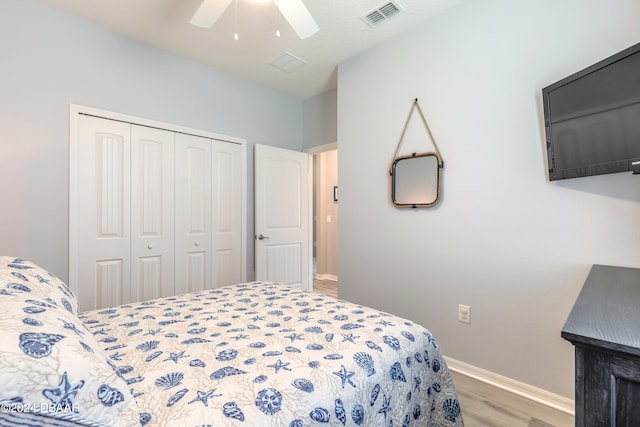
point(71, 326)
point(279, 365)
point(176, 356)
point(41, 279)
point(240, 337)
point(350, 337)
point(65, 393)
point(345, 376)
point(295, 336)
point(386, 406)
point(204, 396)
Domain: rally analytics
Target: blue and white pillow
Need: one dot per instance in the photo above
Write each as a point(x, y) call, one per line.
point(19, 275)
point(51, 366)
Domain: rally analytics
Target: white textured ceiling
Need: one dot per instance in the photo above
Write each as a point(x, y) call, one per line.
point(165, 24)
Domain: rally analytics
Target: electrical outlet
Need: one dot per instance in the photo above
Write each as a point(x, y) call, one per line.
point(464, 313)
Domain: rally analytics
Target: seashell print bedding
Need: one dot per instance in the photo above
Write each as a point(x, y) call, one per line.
point(253, 354)
point(52, 370)
point(264, 354)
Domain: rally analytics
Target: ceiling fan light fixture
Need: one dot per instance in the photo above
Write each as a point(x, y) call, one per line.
point(294, 11)
point(298, 17)
point(209, 12)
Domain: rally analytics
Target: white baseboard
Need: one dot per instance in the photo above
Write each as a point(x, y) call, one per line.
point(331, 277)
point(527, 391)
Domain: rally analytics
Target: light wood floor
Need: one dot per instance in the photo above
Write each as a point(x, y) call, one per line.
point(484, 405)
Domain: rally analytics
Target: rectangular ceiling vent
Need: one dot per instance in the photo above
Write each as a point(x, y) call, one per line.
point(288, 62)
point(382, 13)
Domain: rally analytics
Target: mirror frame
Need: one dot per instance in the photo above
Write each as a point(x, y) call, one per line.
point(438, 183)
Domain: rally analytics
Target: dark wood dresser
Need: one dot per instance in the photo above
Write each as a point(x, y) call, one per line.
point(604, 327)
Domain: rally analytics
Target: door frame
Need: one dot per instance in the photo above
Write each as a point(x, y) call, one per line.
point(75, 110)
point(314, 151)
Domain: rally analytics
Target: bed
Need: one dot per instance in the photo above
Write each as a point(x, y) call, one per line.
point(252, 354)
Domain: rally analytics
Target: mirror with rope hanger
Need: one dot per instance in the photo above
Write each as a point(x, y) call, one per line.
point(416, 179)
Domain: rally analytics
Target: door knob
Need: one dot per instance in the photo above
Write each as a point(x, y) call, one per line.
point(149, 246)
point(197, 244)
point(261, 237)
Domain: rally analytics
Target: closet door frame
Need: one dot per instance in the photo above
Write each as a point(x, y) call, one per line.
point(75, 111)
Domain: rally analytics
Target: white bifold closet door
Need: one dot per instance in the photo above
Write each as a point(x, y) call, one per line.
point(193, 224)
point(152, 213)
point(158, 213)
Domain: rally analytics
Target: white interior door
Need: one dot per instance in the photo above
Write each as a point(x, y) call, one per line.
point(101, 210)
point(152, 213)
point(283, 216)
point(227, 213)
point(193, 213)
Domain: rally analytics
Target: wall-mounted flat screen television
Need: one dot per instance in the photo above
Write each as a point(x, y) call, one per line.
point(592, 119)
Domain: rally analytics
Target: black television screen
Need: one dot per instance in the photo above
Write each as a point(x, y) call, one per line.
point(592, 119)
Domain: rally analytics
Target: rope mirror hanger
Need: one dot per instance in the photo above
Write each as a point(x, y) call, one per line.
point(416, 179)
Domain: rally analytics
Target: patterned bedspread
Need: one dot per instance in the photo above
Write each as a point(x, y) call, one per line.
point(261, 354)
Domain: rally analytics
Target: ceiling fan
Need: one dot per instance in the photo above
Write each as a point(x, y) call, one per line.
point(294, 11)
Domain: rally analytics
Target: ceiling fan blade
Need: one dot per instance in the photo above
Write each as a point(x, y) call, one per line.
point(209, 12)
point(296, 13)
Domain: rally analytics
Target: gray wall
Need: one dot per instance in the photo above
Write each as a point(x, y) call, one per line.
point(320, 120)
point(50, 60)
point(504, 240)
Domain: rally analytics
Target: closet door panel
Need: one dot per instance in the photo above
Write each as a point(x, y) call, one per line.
point(102, 199)
point(193, 213)
point(227, 213)
point(152, 213)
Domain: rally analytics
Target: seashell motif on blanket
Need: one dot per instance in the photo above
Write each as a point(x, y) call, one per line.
point(374, 394)
point(197, 363)
point(357, 414)
point(320, 415)
point(179, 395)
point(18, 287)
point(148, 346)
point(38, 345)
point(145, 418)
point(303, 384)
point(226, 371)
point(20, 266)
point(396, 373)
point(408, 335)
point(19, 276)
point(231, 410)
point(269, 401)
point(109, 396)
point(365, 361)
point(32, 322)
point(391, 342)
point(33, 310)
point(341, 414)
point(171, 380)
point(373, 346)
point(451, 409)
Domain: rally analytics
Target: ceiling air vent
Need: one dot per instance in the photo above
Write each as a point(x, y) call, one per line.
point(382, 13)
point(288, 62)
